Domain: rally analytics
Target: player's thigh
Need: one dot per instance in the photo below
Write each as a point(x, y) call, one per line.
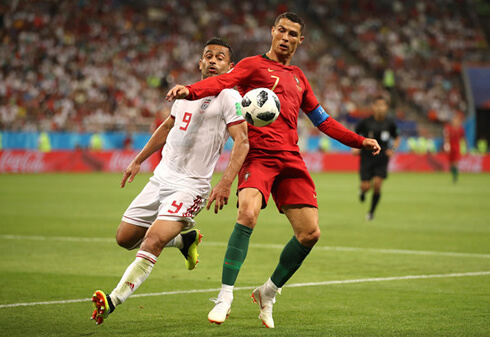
point(129, 235)
point(258, 172)
point(304, 220)
point(144, 208)
point(249, 204)
point(178, 204)
point(294, 186)
point(160, 233)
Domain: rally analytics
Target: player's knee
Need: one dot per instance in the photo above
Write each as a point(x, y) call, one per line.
point(309, 238)
point(153, 244)
point(125, 242)
point(247, 217)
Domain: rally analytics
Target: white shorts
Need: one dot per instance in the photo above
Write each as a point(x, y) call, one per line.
point(164, 203)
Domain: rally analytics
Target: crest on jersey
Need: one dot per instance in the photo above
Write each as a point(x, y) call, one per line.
point(297, 83)
point(205, 105)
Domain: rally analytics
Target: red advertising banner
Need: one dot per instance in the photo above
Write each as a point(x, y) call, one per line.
point(20, 161)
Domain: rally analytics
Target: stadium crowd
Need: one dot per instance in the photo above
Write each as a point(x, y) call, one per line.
point(92, 65)
point(423, 42)
point(75, 65)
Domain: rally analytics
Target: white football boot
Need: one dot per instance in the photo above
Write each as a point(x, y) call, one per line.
point(222, 308)
point(265, 296)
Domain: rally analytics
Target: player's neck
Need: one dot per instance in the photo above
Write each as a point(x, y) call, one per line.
point(274, 57)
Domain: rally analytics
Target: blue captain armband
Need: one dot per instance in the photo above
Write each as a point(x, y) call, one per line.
point(317, 115)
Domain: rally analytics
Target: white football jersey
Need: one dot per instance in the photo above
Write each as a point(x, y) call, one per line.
point(195, 142)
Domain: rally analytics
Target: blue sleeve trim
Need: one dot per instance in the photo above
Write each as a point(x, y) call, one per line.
point(317, 115)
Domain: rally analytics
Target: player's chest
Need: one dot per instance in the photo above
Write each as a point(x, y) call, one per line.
point(283, 82)
point(194, 114)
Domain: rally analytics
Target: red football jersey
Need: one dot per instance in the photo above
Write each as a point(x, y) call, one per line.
point(454, 135)
point(288, 82)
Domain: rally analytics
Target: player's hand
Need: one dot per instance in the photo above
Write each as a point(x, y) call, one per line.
point(219, 195)
point(371, 144)
point(130, 172)
point(177, 92)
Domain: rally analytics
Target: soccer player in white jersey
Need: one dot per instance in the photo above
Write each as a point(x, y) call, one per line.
point(193, 137)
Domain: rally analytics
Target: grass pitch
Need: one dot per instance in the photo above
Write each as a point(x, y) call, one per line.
point(422, 268)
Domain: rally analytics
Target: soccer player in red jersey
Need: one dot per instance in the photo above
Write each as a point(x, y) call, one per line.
point(453, 134)
point(274, 164)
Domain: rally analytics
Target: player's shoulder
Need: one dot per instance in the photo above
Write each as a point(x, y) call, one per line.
point(297, 71)
point(249, 60)
point(229, 94)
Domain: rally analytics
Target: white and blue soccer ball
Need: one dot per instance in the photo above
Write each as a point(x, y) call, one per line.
point(260, 107)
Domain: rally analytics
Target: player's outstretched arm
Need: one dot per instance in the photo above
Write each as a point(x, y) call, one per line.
point(221, 192)
point(157, 140)
point(334, 129)
point(177, 92)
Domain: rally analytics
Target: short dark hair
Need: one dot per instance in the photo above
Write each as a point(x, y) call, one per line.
point(292, 17)
point(219, 42)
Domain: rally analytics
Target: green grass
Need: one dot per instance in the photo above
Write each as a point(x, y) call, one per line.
point(49, 252)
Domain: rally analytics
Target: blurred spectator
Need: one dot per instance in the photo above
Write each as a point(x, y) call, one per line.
point(128, 142)
point(423, 41)
point(96, 142)
point(43, 142)
point(482, 146)
point(70, 65)
point(325, 144)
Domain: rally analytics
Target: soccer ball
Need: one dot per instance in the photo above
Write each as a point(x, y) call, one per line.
point(260, 107)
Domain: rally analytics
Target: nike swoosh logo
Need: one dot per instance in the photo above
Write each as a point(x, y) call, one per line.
point(270, 70)
point(260, 302)
point(230, 263)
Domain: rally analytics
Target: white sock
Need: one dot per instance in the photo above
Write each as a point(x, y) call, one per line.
point(226, 293)
point(271, 289)
point(176, 242)
point(137, 273)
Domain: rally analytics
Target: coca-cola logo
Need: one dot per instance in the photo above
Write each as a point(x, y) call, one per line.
point(22, 162)
point(471, 164)
point(120, 160)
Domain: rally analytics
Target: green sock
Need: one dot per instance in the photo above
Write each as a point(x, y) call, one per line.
point(235, 253)
point(292, 257)
point(454, 172)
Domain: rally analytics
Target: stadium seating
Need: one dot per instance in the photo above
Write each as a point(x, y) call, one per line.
point(87, 66)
